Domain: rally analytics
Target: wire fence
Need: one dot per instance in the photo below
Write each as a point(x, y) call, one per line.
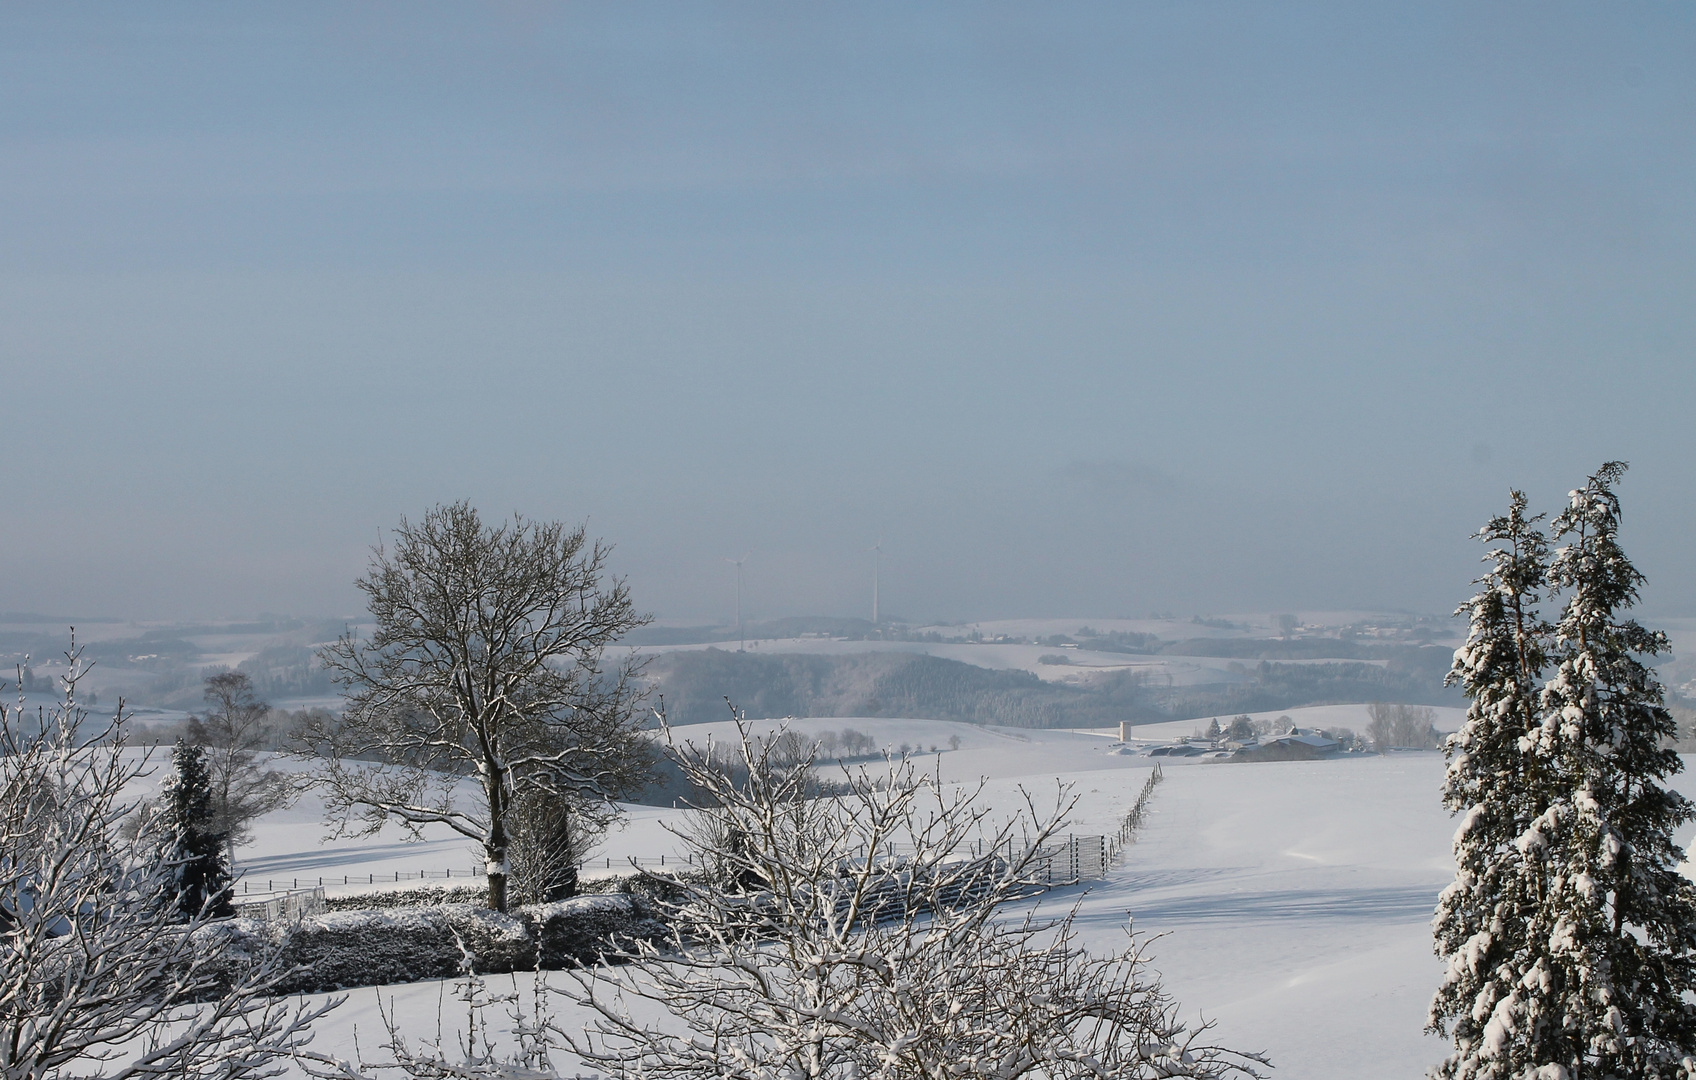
point(1080, 858)
point(1076, 858)
point(1133, 820)
point(251, 885)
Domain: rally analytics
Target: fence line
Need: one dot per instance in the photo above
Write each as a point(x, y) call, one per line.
point(1133, 820)
point(251, 884)
point(1075, 859)
point(1080, 858)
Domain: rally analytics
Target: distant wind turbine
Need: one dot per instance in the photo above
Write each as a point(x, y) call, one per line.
point(877, 555)
point(742, 641)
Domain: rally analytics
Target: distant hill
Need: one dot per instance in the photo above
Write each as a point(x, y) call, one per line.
point(1307, 648)
point(696, 684)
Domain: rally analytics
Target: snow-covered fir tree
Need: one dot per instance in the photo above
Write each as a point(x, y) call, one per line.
point(191, 843)
point(1480, 926)
point(1568, 930)
point(1624, 943)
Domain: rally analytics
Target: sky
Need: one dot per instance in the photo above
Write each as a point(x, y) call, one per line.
point(1080, 309)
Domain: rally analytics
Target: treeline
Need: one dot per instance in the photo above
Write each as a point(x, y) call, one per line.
point(1413, 680)
point(696, 685)
point(1318, 648)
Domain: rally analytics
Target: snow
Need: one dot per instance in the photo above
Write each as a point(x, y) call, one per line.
point(1293, 898)
point(610, 903)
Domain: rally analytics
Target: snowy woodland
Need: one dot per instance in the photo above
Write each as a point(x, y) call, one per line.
point(840, 898)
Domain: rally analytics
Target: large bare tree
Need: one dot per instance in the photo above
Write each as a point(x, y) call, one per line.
point(487, 661)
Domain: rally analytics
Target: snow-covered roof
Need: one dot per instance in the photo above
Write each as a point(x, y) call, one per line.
point(1313, 739)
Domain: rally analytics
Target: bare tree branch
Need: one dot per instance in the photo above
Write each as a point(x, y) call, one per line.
point(859, 936)
point(99, 972)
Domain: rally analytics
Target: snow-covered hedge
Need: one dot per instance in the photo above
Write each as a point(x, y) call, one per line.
point(420, 896)
point(579, 930)
point(376, 946)
point(381, 945)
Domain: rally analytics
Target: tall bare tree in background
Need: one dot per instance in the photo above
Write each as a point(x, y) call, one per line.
point(232, 733)
point(1408, 727)
point(486, 661)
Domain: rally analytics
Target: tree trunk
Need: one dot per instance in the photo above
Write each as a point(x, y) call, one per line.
point(563, 886)
point(562, 878)
point(495, 865)
point(494, 849)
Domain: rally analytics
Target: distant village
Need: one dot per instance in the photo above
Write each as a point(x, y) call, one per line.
point(1241, 741)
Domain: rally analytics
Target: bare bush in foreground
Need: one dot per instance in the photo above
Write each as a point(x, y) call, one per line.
point(100, 974)
point(866, 942)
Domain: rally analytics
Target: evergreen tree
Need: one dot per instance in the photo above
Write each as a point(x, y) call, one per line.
point(1622, 950)
point(191, 842)
point(1501, 791)
point(1568, 930)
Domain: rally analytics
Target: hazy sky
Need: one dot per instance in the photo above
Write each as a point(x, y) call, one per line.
point(1085, 309)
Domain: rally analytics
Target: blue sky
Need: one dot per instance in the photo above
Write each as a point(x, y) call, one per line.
point(1086, 309)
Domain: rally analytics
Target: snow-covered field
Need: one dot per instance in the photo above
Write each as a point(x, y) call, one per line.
point(1292, 898)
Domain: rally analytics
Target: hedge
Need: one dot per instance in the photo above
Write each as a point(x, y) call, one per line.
point(580, 930)
point(377, 946)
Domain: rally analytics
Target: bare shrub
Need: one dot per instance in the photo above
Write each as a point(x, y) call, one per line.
point(864, 941)
point(100, 972)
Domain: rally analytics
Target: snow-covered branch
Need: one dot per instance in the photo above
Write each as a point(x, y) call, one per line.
point(99, 971)
point(864, 935)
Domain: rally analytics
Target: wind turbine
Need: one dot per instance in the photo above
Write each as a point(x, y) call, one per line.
point(877, 554)
point(742, 642)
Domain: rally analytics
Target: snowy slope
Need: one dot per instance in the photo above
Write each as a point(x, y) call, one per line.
point(1294, 898)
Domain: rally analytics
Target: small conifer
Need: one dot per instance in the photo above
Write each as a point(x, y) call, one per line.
point(190, 842)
